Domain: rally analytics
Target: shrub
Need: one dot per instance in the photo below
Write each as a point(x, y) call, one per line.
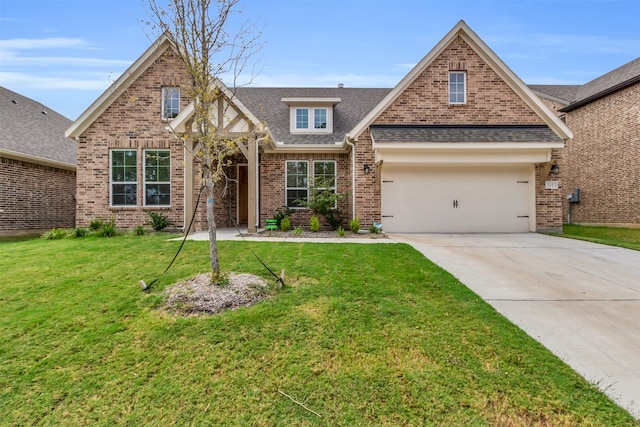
point(354, 225)
point(96, 224)
point(55, 234)
point(374, 230)
point(158, 221)
point(285, 224)
point(314, 224)
point(322, 199)
point(78, 232)
point(298, 231)
point(108, 229)
point(282, 214)
point(340, 232)
point(140, 230)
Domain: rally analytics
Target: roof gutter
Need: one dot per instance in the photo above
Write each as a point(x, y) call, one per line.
point(601, 94)
point(37, 160)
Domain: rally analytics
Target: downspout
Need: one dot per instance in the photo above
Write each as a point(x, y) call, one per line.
point(353, 176)
point(257, 183)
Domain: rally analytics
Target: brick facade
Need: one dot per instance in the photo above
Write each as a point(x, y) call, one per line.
point(34, 197)
point(132, 121)
point(272, 185)
point(602, 160)
point(490, 101)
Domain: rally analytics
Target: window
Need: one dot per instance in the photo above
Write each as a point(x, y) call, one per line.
point(170, 102)
point(157, 178)
point(311, 120)
point(324, 175)
point(124, 178)
point(320, 118)
point(297, 182)
point(457, 89)
point(302, 118)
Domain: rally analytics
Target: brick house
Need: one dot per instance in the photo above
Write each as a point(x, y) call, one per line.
point(37, 167)
point(461, 144)
point(603, 156)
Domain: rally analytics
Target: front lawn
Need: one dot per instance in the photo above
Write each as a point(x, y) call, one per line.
point(624, 237)
point(361, 335)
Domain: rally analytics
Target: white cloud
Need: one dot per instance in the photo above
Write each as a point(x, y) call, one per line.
point(45, 43)
point(24, 80)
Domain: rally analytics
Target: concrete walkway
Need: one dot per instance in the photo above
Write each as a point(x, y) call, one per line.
point(581, 300)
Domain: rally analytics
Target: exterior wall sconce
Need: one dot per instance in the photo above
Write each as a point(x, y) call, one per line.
point(555, 169)
point(366, 169)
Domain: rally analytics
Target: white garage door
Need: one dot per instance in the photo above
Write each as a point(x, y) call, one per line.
point(455, 199)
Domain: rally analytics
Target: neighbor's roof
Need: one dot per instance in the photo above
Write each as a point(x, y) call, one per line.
point(268, 107)
point(33, 132)
point(613, 81)
point(463, 133)
point(564, 94)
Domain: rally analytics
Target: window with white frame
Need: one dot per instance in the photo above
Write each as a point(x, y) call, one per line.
point(170, 102)
point(324, 175)
point(457, 87)
point(297, 182)
point(124, 178)
point(308, 119)
point(157, 178)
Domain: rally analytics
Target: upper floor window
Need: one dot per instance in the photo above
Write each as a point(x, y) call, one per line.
point(170, 102)
point(457, 87)
point(157, 178)
point(124, 177)
point(303, 122)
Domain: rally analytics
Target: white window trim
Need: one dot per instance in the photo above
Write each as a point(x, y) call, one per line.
point(286, 183)
point(144, 179)
point(464, 83)
point(166, 89)
point(311, 123)
point(335, 176)
point(112, 182)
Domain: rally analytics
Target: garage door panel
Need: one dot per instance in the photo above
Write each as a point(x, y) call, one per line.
point(456, 199)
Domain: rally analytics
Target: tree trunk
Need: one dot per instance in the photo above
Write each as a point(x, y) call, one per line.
point(213, 244)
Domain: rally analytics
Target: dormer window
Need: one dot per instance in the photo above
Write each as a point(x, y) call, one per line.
point(311, 115)
point(170, 102)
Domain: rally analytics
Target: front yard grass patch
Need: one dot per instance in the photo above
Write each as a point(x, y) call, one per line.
point(361, 335)
point(623, 237)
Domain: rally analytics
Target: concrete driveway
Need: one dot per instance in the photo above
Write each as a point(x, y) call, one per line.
point(580, 300)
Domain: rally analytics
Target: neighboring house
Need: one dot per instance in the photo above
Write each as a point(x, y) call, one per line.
point(461, 144)
point(602, 160)
point(37, 167)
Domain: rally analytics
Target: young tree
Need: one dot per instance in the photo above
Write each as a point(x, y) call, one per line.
point(212, 46)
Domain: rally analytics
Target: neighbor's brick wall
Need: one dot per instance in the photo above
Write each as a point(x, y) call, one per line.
point(133, 121)
point(272, 185)
point(602, 160)
point(35, 197)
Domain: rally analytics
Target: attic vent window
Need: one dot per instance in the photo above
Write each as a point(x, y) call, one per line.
point(170, 102)
point(457, 87)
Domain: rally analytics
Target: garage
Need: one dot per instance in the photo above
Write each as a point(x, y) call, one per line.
point(457, 198)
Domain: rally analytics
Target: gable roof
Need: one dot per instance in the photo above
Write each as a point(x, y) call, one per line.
point(563, 94)
point(509, 77)
point(116, 89)
point(613, 81)
point(268, 105)
point(33, 132)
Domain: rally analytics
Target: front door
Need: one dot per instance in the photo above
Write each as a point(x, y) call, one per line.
point(243, 195)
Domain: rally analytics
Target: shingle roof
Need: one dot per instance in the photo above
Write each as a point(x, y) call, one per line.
point(562, 93)
point(267, 105)
point(463, 133)
point(31, 129)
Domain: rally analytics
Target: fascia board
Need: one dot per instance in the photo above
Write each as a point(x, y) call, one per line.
point(424, 146)
point(280, 147)
point(116, 89)
point(37, 160)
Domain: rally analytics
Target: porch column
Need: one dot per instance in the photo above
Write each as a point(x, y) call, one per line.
point(252, 175)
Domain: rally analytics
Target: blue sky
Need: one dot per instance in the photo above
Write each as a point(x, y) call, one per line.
point(65, 53)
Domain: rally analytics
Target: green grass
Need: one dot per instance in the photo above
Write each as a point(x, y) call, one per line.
point(362, 335)
point(624, 237)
